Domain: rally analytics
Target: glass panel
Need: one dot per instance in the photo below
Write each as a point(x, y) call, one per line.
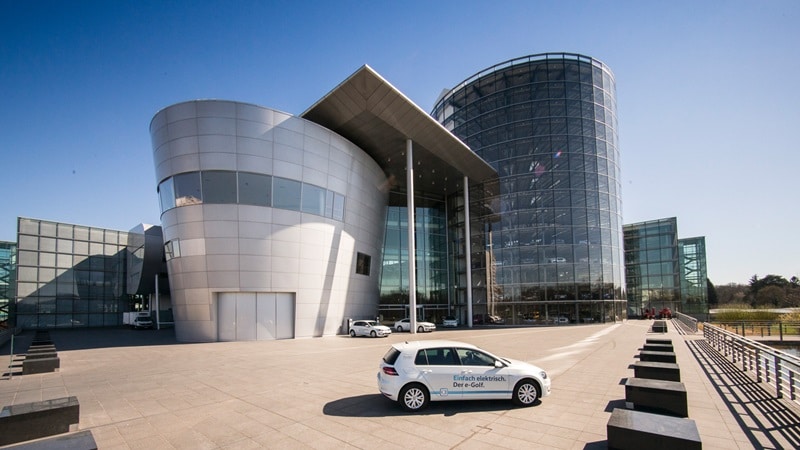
point(313, 199)
point(187, 189)
point(166, 195)
point(255, 189)
point(338, 207)
point(287, 194)
point(219, 186)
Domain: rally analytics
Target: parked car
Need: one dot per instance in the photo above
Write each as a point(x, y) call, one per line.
point(405, 325)
point(487, 319)
point(450, 322)
point(369, 328)
point(561, 319)
point(417, 372)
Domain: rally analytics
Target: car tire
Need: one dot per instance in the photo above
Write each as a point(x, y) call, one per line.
point(526, 393)
point(420, 329)
point(414, 397)
point(352, 333)
point(399, 329)
point(373, 333)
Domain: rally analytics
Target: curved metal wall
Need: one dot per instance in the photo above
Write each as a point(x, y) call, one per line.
point(547, 123)
point(220, 248)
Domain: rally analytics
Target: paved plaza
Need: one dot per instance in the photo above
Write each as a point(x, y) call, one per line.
point(143, 390)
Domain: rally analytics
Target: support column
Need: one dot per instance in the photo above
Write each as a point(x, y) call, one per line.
point(468, 252)
point(412, 263)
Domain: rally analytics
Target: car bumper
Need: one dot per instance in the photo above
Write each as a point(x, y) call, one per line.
point(388, 386)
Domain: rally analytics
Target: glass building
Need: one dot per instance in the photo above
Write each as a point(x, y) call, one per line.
point(8, 263)
point(546, 243)
point(663, 271)
point(69, 275)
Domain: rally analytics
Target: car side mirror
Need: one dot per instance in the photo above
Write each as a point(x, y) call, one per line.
point(498, 364)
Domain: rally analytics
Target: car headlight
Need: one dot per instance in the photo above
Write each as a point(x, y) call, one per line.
point(543, 374)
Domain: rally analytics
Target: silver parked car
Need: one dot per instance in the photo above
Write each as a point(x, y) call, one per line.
point(405, 325)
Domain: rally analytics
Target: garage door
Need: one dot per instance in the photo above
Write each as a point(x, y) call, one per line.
point(251, 316)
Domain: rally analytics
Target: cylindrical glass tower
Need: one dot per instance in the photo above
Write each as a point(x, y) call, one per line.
point(551, 249)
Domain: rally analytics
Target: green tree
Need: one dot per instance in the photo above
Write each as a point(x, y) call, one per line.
point(770, 296)
point(713, 300)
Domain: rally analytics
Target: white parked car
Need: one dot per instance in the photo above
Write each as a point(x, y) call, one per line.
point(450, 322)
point(417, 372)
point(369, 328)
point(405, 325)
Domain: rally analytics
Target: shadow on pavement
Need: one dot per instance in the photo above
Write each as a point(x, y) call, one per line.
point(376, 405)
point(91, 338)
point(767, 422)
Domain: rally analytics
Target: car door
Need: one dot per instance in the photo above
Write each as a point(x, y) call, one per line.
point(481, 377)
point(441, 369)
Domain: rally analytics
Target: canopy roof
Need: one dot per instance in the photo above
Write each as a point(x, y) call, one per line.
point(373, 114)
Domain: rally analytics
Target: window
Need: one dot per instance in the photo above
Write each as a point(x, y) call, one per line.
point(313, 199)
point(363, 263)
point(255, 189)
point(187, 189)
point(219, 187)
point(287, 194)
point(436, 357)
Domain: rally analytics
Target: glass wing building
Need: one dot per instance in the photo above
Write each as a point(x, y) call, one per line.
point(549, 244)
point(663, 271)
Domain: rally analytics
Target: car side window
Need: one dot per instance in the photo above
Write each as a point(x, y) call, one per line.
point(436, 357)
point(471, 357)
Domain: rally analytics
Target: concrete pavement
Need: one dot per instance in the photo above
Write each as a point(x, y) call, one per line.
point(141, 389)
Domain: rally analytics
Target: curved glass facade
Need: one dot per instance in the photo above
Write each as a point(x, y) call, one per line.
point(245, 188)
point(552, 246)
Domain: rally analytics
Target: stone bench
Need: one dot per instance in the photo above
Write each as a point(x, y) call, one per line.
point(667, 357)
point(40, 355)
point(658, 341)
point(42, 365)
point(42, 349)
point(658, 347)
point(656, 370)
point(26, 421)
point(657, 396)
point(659, 326)
point(628, 429)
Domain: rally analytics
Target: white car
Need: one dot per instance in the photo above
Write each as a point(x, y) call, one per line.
point(450, 322)
point(405, 325)
point(418, 372)
point(369, 328)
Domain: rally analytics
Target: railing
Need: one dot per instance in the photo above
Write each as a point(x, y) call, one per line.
point(689, 321)
point(762, 329)
point(774, 367)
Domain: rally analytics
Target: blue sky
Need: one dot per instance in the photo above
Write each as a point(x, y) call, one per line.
point(708, 101)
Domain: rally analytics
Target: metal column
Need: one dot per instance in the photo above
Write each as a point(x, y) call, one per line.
point(468, 252)
point(412, 263)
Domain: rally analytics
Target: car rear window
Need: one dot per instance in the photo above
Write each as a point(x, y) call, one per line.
point(391, 356)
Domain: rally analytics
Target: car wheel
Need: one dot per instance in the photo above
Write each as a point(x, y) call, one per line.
point(414, 397)
point(420, 329)
point(399, 328)
point(352, 333)
point(372, 333)
point(526, 392)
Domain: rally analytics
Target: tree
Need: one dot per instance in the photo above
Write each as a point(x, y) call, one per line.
point(713, 300)
point(770, 296)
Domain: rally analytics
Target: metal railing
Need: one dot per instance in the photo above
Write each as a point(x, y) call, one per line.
point(774, 367)
point(763, 329)
point(689, 321)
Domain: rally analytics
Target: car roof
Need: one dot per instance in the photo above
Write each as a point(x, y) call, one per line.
point(432, 343)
